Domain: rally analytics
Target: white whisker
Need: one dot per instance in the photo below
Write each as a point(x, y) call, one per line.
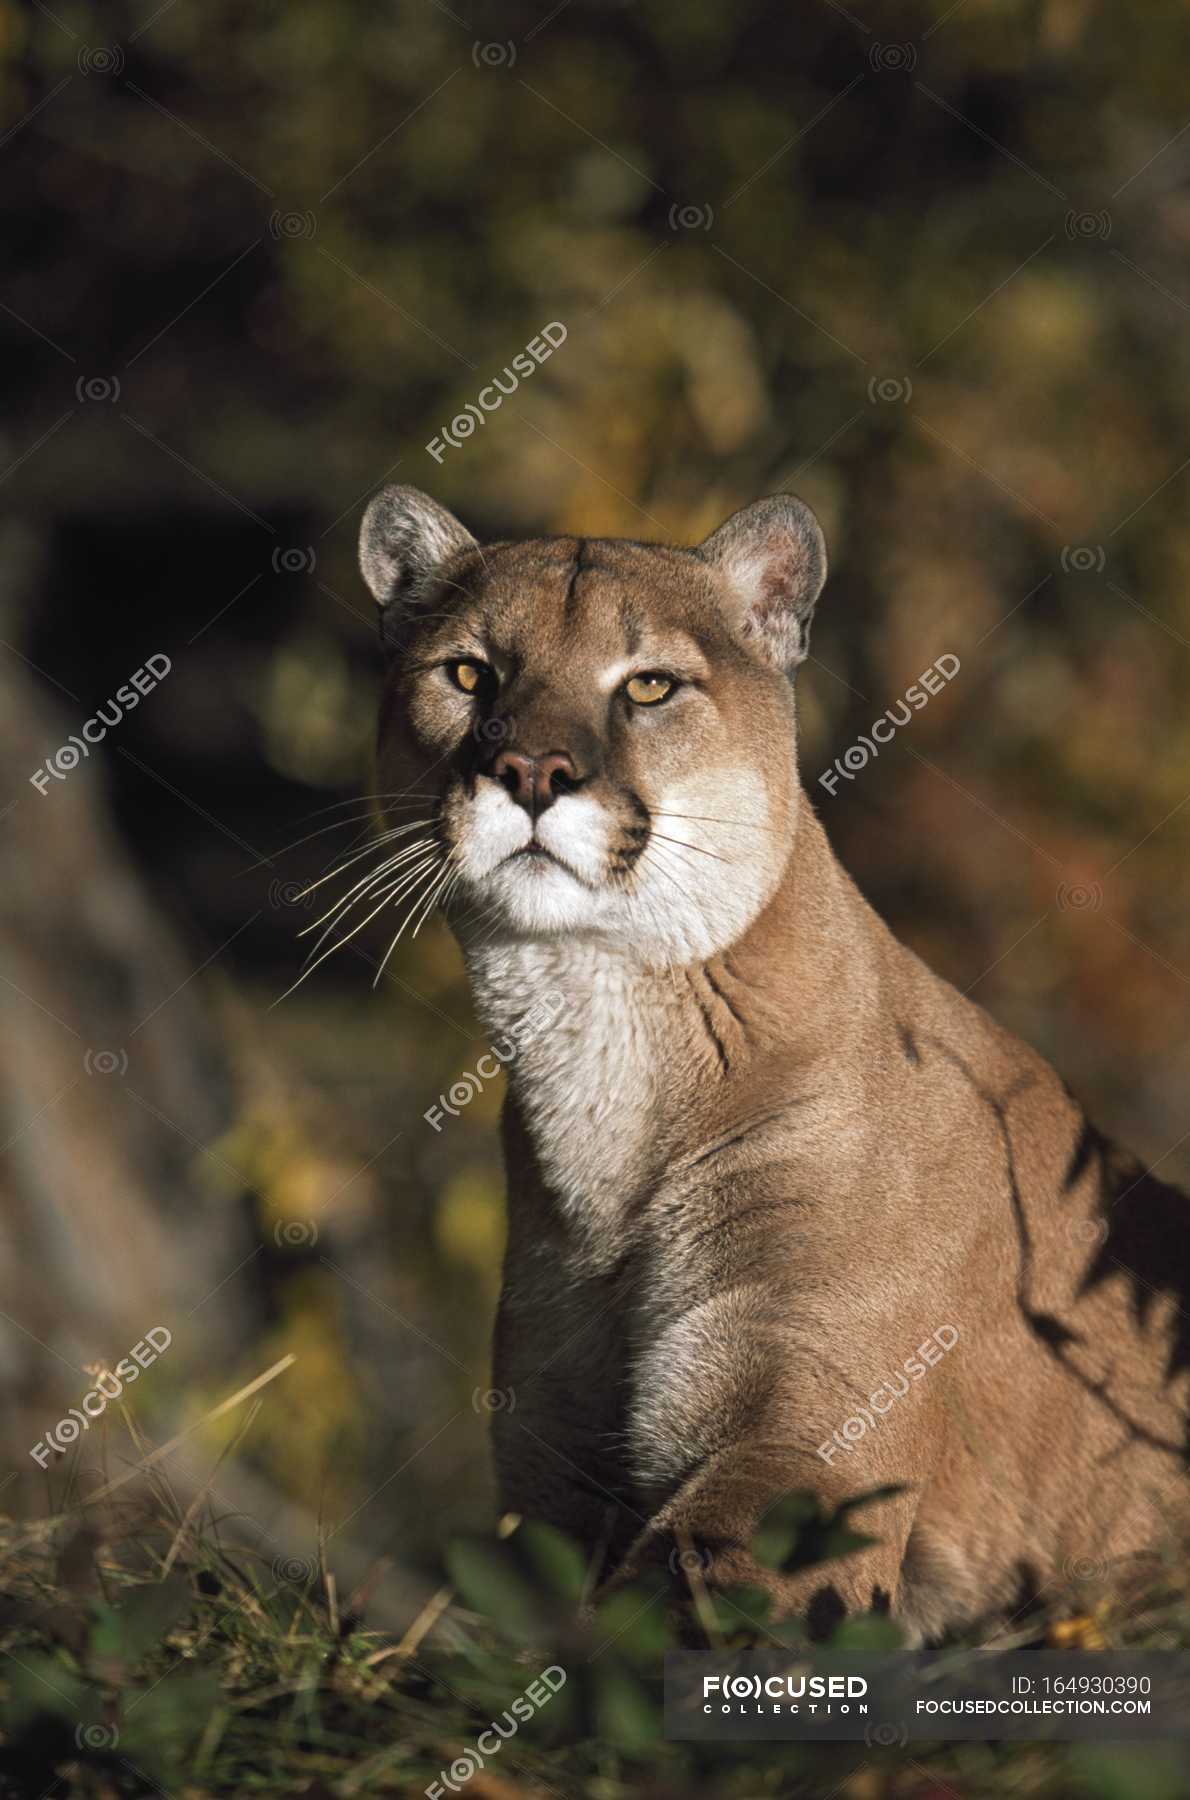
point(402, 881)
point(430, 903)
point(365, 818)
point(705, 819)
point(683, 845)
point(376, 843)
point(390, 862)
point(400, 932)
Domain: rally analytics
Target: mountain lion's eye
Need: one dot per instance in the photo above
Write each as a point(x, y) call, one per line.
point(647, 690)
point(469, 674)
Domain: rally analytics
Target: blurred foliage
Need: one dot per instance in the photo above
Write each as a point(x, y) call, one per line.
point(923, 263)
point(139, 1654)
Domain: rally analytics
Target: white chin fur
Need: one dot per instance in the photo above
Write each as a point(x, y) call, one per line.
point(677, 906)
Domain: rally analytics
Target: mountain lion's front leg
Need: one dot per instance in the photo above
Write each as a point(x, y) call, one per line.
point(715, 1514)
point(558, 1412)
point(734, 1409)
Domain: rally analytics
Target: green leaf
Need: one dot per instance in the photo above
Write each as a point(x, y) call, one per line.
point(797, 1534)
point(626, 1713)
point(40, 1687)
point(1138, 1772)
point(888, 1492)
point(552, 1559)
point(487, 1576)
point(165, 1721)
point(776, 1538)
point(742, 1610)
point(123, 1635)
point(634, 1620)
point(868, 1631)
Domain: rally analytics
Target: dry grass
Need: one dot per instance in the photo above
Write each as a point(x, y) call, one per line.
point(143, 1651)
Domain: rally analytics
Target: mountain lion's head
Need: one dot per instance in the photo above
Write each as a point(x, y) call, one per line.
point(591, 736)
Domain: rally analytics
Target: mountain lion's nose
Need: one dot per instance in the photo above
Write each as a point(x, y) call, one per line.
point(535, 782)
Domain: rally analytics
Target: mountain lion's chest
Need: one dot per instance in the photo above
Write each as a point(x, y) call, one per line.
point(588, 1073)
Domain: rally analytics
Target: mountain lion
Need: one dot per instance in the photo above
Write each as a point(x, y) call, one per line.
point(786, 1211)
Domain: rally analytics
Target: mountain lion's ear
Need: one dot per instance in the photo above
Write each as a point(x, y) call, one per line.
point(774, 556)
point(404, 540)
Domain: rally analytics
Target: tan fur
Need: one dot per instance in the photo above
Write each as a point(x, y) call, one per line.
point(764, 1154)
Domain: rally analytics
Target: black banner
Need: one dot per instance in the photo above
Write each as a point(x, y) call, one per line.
point(911, 1697)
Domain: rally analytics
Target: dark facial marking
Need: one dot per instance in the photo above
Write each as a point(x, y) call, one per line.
point(570, 598)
